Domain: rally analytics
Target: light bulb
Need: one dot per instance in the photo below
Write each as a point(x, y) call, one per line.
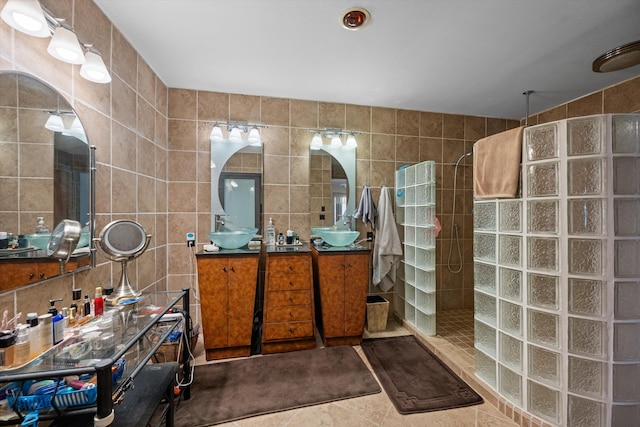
point(254, 137)
point(351, 141)
point(235, 136)
point(54, 123)
point(64, 46)
point(336, 141)
point(26, 16)
point(316, 142)
point(94, 69)
point(216, 133)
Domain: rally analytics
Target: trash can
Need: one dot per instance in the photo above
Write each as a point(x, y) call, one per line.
point(377, 313)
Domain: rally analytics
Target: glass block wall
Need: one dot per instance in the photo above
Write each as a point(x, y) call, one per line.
point(415, 290)
point(557, 276)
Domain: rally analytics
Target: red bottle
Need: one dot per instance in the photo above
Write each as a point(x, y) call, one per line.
point(98, 302)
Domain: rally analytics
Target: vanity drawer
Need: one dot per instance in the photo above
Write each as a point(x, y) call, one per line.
point(288, 330)
point(285, 282)
point(287, 298)
point(289, 264)
point(294, 313)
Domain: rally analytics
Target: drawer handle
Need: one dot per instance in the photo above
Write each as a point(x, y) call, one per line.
point(291, 299)
point(290, 283)
point(224, 269)
point(349, 265)
point(232, 269)
point(290, 330)
point(290, 268)
point(291, 314)
point(31, 275)
point(42, 276)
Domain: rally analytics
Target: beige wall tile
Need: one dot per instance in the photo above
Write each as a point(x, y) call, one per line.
point(358, 118)
point(623, 98)
point(408, 148)
point(383, 147)
point(124, 59)
point(181, 197)
point(554, 114)
point(408, 122)
point(383, 120)
point(146, 82)
point(244, 108)
point(213, 106)
point(146, 119)
point(453, 126)
point(182, 165)
point(276, 170)
point(304, 113)
point(182, 135)
point(586, 106)
point(474, 128)
point(146, 194)
point(124, 154)
point(274, 111)
point(123, 103)
point(182, 104)
point(431, 124)
point(146, 157)
point(331, 115)
point(124, 191)
point(275, 141)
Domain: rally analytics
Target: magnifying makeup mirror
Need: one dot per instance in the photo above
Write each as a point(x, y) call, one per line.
point(63, 241)
point(123, 241)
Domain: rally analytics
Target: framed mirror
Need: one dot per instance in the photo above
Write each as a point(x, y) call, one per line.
point(236, 185)
point(332, 184)
point(46, 170)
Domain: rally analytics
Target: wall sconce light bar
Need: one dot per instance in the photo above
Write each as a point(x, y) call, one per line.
point(335, 135)
point(235, 130)
point(30, 17)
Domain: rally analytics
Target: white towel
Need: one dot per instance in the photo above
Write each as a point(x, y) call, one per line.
point(387, 248)
point(366, 209)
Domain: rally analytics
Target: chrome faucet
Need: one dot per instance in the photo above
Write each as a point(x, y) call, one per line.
point(348, 221)
point(218, 221)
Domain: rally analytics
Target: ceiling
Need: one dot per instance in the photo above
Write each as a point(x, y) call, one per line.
point(473, 57)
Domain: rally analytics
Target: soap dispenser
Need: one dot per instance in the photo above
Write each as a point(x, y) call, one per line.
point(271, 233)
point(42, 228)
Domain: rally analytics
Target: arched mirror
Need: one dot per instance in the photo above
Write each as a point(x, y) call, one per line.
point(45, 172)
point(236, 185)
point(332, 184)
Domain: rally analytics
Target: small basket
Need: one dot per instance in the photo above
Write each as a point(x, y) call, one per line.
point(61, 400)
point(172, 351)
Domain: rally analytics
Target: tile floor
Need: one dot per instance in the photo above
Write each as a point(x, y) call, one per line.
point(377, 409)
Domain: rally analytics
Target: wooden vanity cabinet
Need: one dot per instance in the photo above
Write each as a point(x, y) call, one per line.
point(341, 284)
point(288, 302)
point(227, 285)
point(18, 273)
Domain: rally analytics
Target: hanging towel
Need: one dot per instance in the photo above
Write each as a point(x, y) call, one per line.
point(496, 164)
point(387, 248)
point(366, 211)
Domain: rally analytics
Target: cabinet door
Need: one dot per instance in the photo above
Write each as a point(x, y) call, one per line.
point(331, 278)
point(243, 275)
point(214, 300)
point(356, 283)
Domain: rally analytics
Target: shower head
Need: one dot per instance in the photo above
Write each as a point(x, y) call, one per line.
point(470, 153)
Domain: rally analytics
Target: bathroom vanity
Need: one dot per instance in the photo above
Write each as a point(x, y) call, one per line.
point(341, 280)
point(33, 266)
point(227, 281)
point(288, 299)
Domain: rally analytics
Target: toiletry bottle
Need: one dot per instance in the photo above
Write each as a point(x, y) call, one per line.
point(4, 240)
point(34, 335)
point(98, 302)
point(22, 349)
point(281, 239)
point(22, 241)
point(46, 331)
point(271, 233)
point(42, 228)
point(56, 321)
point(86, 306)
point(7, 344)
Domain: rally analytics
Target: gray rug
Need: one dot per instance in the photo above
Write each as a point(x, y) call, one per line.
point(257, 385)
point(414, 378)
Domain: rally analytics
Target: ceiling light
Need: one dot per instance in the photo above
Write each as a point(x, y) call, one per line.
point(254, 137)
point(355, 18)
point(621, 57)
point(351, 141)
point(216, 133)
point(235, 136)
point(54, 123)
point(94, 69)
point(64, 46)
point(316, 142)
point(336, 141)
point(26, 16)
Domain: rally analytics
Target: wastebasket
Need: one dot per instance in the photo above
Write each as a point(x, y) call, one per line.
point(377, 313)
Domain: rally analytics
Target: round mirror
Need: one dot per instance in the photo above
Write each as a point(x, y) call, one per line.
point(123, 241)
point(63, 241)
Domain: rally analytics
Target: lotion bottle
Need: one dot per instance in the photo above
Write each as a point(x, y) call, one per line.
point(271, 233)
point(34, 335)
point(22, 348)
point(57, 319)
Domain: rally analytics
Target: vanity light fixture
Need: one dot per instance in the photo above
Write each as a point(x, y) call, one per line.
point(30, 17)
point(236, 129)
point(54, 123)
point(64, 45)
point(26, 16)
point(334, 134)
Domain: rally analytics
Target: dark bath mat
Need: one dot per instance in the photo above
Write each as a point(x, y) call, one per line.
point(414, 378)
point(257, 385)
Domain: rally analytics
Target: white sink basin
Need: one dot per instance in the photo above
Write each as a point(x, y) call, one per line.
point(232, 239)
point(336, 237)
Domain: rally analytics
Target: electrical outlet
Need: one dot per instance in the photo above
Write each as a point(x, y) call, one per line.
point(322, 209)
point(191, 239)
point(369, 236)
point(322, 216)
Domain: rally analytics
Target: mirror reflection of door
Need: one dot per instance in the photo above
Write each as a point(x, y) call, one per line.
point(241, 202)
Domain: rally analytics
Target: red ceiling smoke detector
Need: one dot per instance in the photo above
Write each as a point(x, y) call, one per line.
point(355, 18)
